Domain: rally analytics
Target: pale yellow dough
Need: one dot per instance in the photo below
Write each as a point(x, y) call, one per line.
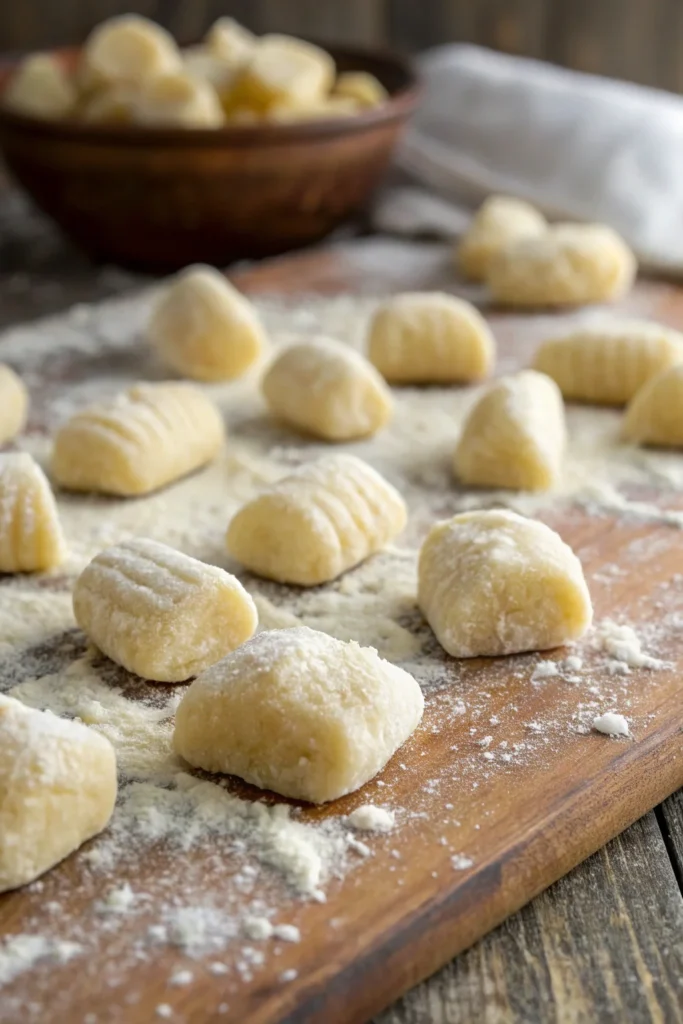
point(313, 525)
point(515, 435)
point(326, 388)
point(201, 62)
point(568, 265)
point(500, 221)
point(655, 415)
point(281, 69)
point(31, 538)
point(13, 404)
point(361, 87)
point(159, 613)
point(177, 100)
point(57, 789)
point(230, 41)
point(493, 583)
point(40, 87)
point(205, 328)
point(138, 441)
point(127, 48)
point(608, 362)
point(300, 713)
point(430, 338)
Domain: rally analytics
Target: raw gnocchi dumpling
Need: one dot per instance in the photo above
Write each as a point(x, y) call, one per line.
point(282, 69)
point(40, 88)
point(178, 100)
point(127, 48)
point(138, 441)
point(31, 538)
point(300, 713)
point(568, 265)
point(316, 523)
point(230, 41)
point(205, 328)
point(326, 388)
point(515, 435)
point(159, 613)
point(114, 104)
point(500, 221)
point(608, 362)
point(494, 583)
point(655, 415)
point(13, 404)
point(200, 62)
point(430, 338)
point(57, 789)
point(361, 87)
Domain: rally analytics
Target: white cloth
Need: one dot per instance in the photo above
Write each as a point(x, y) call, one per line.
point(577, 146)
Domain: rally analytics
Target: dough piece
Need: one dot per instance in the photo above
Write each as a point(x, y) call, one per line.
point(178, 100)
point(31, 538)
point(569, 265)
point(127, 48)
point(330, 106)
point(13, 404)
point(159, 613)
point(230, 41)
point(328, 389)
point(200, 62)
point(655, 415)
point(496, 583)
point(318, 522)
point(300, 713)
point(204, 328)
point(500, 221)
point(40, 87)
point(111, 105)
point(515, 435)
point(283, 70)
point(362, 87)
point(57, 789)
point(140, 440)
point(608, 362)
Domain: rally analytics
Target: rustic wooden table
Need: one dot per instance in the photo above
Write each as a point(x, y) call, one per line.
point(603, 944)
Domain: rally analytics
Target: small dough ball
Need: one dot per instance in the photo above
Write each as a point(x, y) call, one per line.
point(361, 87)
point(329, 106)
point(57, 789)
point(608, 362)
point(569, 265)
point(200, 62)
point(110, 105)
point(127, 48)
point(138, 441)
point(499, 222)
point(283, 70)
point(316, 523)
point(326, 388)
point(300, 713)
point(31, 538)
point(13, 404)
point(515, 435)
point(496, 583)
point(40, 87)
point(655, 415)
point(430, 338)
point(204, 328)
point(159, 613)
point(178, 100)
point(230, 41)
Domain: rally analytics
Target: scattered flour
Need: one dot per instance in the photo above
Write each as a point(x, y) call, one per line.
point(623, 646)
point(369, 818)
point(20, 953)
point(460, 862)
point(611, 724)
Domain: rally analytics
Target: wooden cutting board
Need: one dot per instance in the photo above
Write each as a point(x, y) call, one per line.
point(478, 836)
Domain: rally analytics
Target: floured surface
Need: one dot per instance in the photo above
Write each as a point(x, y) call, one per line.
point(187, 866)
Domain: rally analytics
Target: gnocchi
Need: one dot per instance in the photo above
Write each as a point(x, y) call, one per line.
point(608, 362)
point(324, 387)
point(283, 70)
point(515, 435)
point(13, 404)
point(430, 338)
point(230, 41)
point(159, 613)
point(57, 789)
point(363, 88)
point(493, 583)
point(655, 415)
point(500, 221)
point(127, 48)
point(31, 538)
point(204, 328)
point(300, 713)
point(568, 265)
point(177, 100)
point(40, 88)
point(313, 525)
point(138, 441)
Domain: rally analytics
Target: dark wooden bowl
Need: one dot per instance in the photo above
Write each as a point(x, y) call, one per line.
point(159, 198)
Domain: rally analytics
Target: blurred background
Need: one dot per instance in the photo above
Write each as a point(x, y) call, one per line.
point(637, 40)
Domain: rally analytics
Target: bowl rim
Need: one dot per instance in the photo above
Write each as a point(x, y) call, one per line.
point(398, 107)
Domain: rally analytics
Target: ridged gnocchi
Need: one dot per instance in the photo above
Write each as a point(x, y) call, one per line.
point(363, 88)
point(430, 338)
point(515, 435)
point(500, 221)
point(57, 789)
point(177, 100)
point(13, 404)
point(608, 362)
point(568, 265)
point(300, 713)
point(31, 538)
point(655, 415)
point(40, 88)
point(205, 328)
point(159, 613)
point(316, 523)
point(493, 583)
point(282, 69)
point(326, 388)
point(138, 441)
point(127, 48)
